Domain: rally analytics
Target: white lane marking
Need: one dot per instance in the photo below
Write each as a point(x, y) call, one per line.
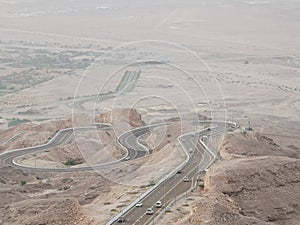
point(130, 207)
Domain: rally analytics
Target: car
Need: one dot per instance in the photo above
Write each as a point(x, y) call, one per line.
point(204, 138)
point(190, 150)
point(168, 209)
point(201, 184)
point(139, 204)
point(127, 158)
point(186, 179)
point(179, 172)
point(158, 204)
point(121, 219)
point(183, 140)
point(199, 178)
point(149, 211)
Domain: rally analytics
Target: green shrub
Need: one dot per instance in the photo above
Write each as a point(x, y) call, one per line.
point(151, 183)
point(71, 162)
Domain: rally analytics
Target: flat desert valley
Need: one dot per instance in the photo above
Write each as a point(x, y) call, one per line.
point(105, 104)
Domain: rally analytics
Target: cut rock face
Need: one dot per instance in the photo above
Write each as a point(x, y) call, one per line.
point(252, 184)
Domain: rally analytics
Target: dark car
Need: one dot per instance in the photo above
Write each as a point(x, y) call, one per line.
point(121, 220)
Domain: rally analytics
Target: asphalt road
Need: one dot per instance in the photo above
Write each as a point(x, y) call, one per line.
point(8, 157)
point(129, 140)
point(167, 191)
point(174, 186)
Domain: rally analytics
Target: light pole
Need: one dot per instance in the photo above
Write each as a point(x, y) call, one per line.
point(164, 196)
point(140, 210)
point(186, 189)
point(175, 189)
point(249, 123)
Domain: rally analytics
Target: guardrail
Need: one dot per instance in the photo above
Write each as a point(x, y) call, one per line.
point(48, 143)
point(144, 195)
point(206, 169)
point(143, 146)
point(53, 138)
point(12, 138)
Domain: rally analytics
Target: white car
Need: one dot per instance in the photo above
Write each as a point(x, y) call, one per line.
point(186, 179)
point(158, 204)
point(127, 158)
point(149, 211)
point(139, 204)
point(204, 138)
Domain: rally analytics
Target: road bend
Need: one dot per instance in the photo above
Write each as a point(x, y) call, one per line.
point(171, 188)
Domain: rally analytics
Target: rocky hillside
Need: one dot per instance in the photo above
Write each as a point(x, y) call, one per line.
point(67, 212)
point(255, 182)
point(26, 135)
point(118, 116)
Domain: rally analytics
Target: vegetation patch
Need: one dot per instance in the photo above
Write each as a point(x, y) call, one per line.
point(128, 81)
point(16, 121)
point(23, 182)
point(73, 162)
point(151, 183)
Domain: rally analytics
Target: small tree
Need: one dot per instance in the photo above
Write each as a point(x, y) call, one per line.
point(151, 183)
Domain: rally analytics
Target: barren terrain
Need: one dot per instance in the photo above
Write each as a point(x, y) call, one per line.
point(77, 198)
point(68, 64)
point(255, 182)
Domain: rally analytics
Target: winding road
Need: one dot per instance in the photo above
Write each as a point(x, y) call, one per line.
point(199, 159)
point(129, 140)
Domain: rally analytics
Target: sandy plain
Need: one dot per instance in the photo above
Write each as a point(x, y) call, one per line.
point(70, 52)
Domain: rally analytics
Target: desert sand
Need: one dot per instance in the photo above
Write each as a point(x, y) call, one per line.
point(61, 64)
